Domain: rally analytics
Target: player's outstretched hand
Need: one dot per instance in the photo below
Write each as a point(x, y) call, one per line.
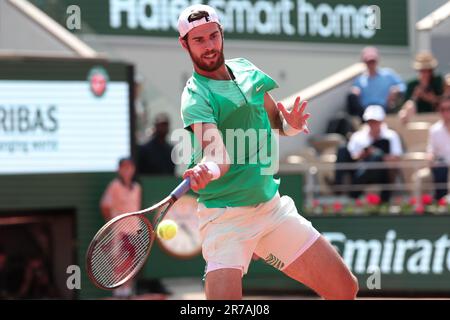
point(200, 176)
point(296, 118)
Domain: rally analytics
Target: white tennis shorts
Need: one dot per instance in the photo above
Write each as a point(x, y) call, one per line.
point(273, 230)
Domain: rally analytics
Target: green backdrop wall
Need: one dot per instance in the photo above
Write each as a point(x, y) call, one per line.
point(412, 251)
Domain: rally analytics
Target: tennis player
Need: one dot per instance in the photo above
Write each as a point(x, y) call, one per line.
point(240, 210)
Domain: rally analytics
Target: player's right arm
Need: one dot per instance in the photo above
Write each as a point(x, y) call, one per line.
point(215, 162)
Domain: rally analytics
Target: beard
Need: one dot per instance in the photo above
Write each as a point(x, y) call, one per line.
point(206, 65)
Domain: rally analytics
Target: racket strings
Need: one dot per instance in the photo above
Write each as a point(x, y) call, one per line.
point(117, 259)
point(121, 259)
point(120, 250)
point(114, 265)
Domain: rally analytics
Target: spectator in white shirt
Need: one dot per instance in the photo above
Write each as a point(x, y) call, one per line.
point(439, 148)
point(374, 142)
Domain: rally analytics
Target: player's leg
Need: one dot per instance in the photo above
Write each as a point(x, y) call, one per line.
point(322, 269)
point(295, 247)
point(228, 242)
point(224, 284)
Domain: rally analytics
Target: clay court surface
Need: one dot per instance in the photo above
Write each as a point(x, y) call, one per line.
point(191, 289)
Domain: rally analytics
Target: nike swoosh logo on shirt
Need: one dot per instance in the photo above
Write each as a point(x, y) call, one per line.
point(259, 88)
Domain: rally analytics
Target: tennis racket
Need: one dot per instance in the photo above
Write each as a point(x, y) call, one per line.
point(121, 247)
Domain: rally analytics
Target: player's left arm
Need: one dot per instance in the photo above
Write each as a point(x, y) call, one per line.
point(288, 123)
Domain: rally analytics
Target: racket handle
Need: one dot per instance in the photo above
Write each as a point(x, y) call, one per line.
point(182, 188)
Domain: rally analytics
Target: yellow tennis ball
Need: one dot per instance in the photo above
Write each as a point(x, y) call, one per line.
point(167, 229)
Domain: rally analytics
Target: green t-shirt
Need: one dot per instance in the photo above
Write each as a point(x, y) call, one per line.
point(235, 106)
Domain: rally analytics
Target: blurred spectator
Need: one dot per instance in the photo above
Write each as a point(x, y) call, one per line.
point(377, 86)
point(446, 85)
point(155, 157)
point(122, 195)
point(342, 124)
point(373, 143)
point(140, 107)
point(4, 275)
point(36, 282)
point(423, 93)
point(439, 147)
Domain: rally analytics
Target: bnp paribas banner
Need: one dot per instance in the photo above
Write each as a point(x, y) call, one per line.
point(63, 116)
point(403, 253)
point(323, 21)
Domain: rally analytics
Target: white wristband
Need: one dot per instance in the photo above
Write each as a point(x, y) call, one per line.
point(214, 168)
point(288, 130)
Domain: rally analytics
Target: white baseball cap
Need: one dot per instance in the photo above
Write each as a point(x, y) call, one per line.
point(184, 25)
point(374, 112)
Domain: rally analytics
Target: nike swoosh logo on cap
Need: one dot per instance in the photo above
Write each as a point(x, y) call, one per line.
point(259, 88)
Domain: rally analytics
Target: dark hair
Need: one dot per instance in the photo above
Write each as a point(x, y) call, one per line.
point(122, 160)
point(197, 15)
